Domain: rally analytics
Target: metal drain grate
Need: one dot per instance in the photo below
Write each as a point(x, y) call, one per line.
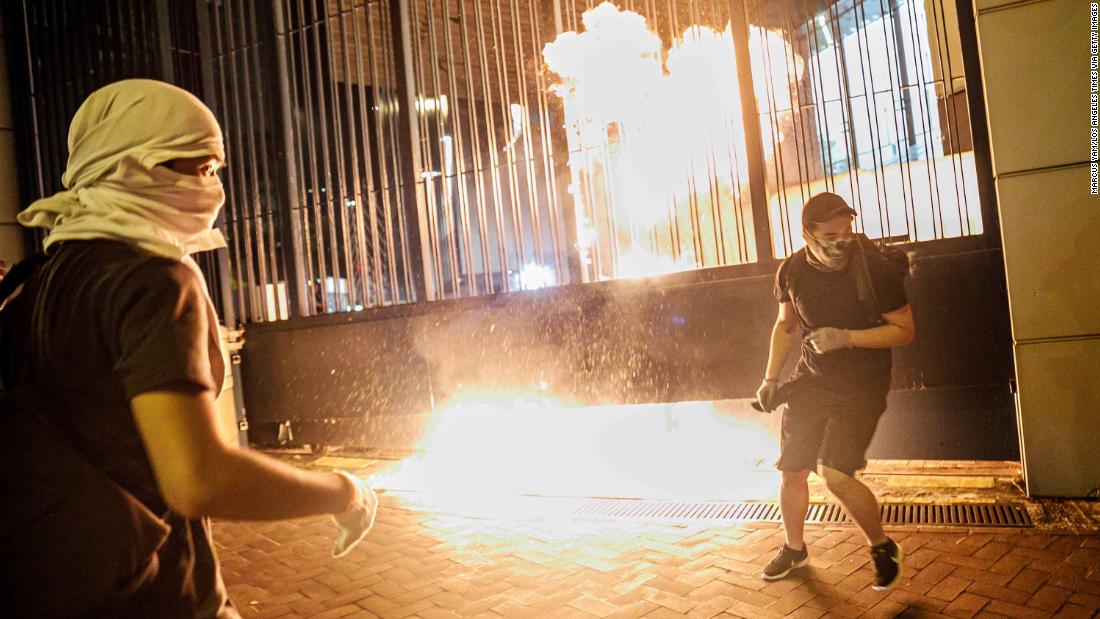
point(969, 514)
point(934, 514)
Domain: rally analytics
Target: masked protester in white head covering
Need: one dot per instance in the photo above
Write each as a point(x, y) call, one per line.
point(115, 185)
point(115, 336)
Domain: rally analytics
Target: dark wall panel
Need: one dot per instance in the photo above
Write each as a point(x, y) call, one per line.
point(630, 342)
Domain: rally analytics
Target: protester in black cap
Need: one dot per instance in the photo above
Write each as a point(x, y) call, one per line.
point(838, 390)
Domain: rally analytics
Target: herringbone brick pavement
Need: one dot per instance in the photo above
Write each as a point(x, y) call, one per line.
point(432, 565)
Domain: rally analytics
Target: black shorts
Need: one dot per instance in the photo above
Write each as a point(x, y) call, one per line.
point(828, 427)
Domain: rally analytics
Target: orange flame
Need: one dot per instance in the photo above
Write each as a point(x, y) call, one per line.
point(484, 448)
point(657, 155)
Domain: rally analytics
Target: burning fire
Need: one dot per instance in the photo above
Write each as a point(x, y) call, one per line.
point(485, 448)
point(656, 140)
point(659, 176)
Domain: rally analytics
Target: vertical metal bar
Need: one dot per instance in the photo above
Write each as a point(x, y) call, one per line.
point(490, 130)
point(36, 185)
point(821, 108)
point(850, 142)
point(313, 130)
point(55, 68)
point(248, 214)
point(905, 164)
point(230, 210)
point(144, 58)
point(288, 180)
point(222, 263)
point(340, 200)
point(479, 168)
point(454, 249)
point(857, 191)
point(902, 159)
point(353, 151)
point(424, 112)
point(247, 134)
point(979, 129)
point(572, 266)
point(367, 195)
point(945, 85)
point(754, 147)
point(394, 133)
point(952, 119)
point(383, 165)
point(409, 152)
point(164, 42)
point(801, 157)
point(926, 129)
point(777, 148)
point(504, 91)
point(869, 101)
point(462, 169)
point(303, 154)
point(233, 215)
point(324, 193)
point(527, 157)
point(262, 69)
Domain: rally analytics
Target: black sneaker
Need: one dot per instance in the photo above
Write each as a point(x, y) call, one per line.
point(887, 559)
point(785, 560)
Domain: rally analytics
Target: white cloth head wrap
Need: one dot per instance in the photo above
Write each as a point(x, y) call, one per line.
point(114, 187)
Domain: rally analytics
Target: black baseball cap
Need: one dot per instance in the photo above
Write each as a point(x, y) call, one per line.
point(823, 207)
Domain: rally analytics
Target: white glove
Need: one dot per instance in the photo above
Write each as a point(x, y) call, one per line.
point(357, 521)
point(828, 339)
point(765, 395)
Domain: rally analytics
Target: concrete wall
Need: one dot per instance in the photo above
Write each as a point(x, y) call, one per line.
point(1035, 63)
point(11, 233)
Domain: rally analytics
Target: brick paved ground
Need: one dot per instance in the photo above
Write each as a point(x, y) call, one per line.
point(433, 565)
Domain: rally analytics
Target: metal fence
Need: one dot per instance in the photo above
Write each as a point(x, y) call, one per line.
point(386, 152)
point(868, 99)
point(60, 52)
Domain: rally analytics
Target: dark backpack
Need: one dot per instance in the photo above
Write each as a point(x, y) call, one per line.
point(74, 542)
point(895, 256)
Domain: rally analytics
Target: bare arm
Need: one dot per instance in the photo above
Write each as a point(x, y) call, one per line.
point(201, 476)
point(898, 331)
point(785, 335)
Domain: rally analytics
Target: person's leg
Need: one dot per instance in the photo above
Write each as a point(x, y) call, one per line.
point(858, 502)
point(846, 440)
point(794, 502)
point(799, 444)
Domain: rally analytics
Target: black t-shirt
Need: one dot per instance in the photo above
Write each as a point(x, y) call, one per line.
point(112, 323)
point(830, 299)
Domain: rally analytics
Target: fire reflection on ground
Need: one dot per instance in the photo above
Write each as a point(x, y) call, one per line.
point(487, 449)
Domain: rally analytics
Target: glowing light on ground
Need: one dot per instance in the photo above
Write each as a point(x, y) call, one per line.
point(487, 448)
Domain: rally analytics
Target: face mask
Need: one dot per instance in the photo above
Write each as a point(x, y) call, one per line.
point(834, 249)
point(834, 254)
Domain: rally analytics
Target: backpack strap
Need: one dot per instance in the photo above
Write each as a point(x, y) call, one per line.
point(9, 358)
point(19, 274)
point(865, 286)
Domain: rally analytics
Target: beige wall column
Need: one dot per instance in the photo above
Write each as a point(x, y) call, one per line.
point(1035, 57)
point(11, 233)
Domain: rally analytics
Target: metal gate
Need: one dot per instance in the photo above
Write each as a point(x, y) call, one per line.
point(390, 152)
